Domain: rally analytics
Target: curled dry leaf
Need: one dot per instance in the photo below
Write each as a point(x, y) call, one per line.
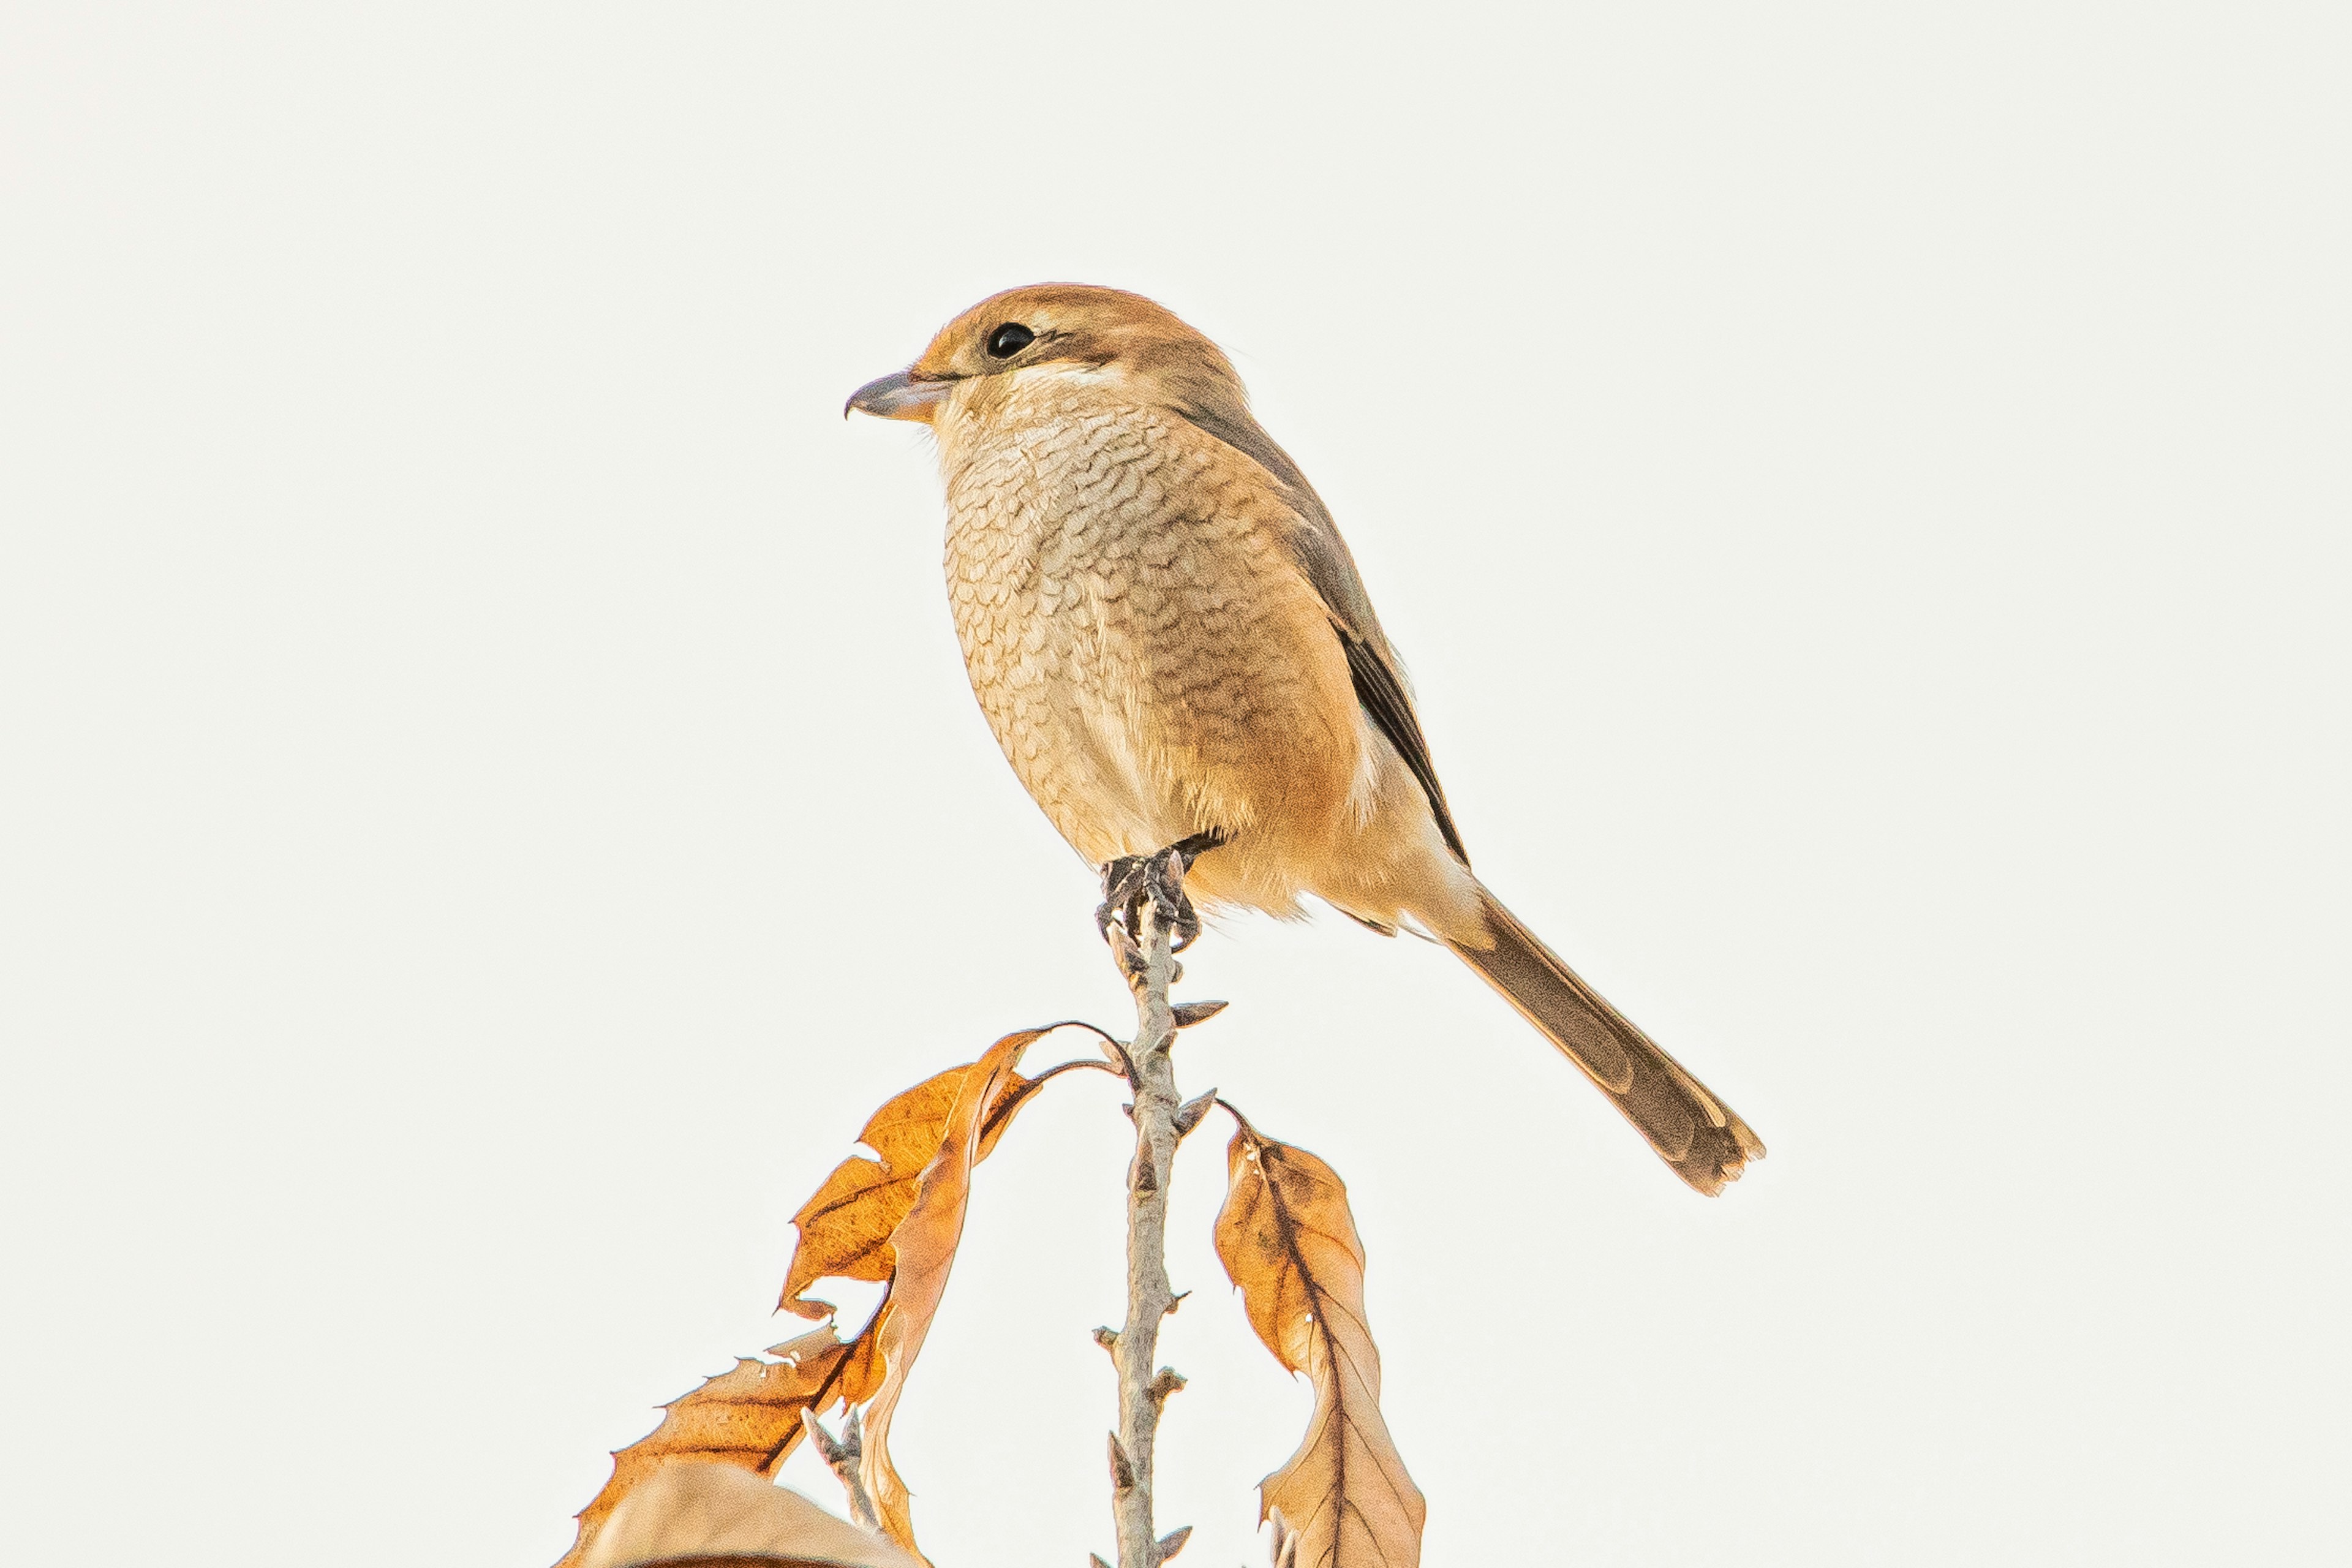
point(1287, 1239)
point(707, 1515)
point(923, 1247)
point(750, 1418)
point(846, 1228)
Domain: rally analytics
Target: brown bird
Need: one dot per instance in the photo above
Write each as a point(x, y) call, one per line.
point(1171, 641)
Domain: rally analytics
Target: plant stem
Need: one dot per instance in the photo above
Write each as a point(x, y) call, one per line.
point(1152, 1075)
point(842, 1454)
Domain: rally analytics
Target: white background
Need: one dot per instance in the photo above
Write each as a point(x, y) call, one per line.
point(490, 798)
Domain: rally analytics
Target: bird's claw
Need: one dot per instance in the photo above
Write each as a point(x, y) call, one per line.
point(1122, 885)
point(1131, 880)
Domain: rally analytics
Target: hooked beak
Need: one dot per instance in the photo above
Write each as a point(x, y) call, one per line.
point(901, 395)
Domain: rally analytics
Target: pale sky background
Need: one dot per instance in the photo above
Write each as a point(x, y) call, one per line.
point(491, 800)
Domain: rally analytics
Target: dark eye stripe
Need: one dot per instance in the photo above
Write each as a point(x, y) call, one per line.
point(1009, 340)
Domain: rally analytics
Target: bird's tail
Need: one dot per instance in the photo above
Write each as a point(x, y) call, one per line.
point(1692, 1130)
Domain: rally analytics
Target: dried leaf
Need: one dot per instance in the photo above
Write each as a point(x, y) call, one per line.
point(1287, 1239)
point(924, 1246)
point(845, 1227)
point(750, 1418)
point(747, 1417)
point(711, 1514)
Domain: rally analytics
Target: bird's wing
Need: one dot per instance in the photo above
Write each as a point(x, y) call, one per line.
point(1322, 556)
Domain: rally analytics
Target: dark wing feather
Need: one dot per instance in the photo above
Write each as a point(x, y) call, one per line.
point(1383, 696)
point(1323, 557)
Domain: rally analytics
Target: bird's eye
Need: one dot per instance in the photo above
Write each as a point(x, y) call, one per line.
point(1009, 340)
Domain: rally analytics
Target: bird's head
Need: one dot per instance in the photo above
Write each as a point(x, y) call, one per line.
point(1057, 328)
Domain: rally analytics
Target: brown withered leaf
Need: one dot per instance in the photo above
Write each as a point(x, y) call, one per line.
point(923, 1245)
point(707, 1515)
point(748, 1416)
point(846, 1228)
point(1287, 1239)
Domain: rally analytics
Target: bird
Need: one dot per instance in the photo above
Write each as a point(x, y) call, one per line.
point(1173, 645)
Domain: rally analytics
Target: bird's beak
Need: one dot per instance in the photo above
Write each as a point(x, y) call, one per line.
point(901, 395)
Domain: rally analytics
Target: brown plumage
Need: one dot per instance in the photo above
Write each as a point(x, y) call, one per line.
point(1169, 637)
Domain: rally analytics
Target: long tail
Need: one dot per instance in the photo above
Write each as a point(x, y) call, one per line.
point(1692, 1130)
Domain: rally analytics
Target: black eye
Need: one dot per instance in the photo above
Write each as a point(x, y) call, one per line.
point(1009, 340)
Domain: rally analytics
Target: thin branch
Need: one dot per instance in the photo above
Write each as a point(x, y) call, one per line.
point(844, 1454)
point(1087, 1063)
point(1003, 1111)
point(1147, 958)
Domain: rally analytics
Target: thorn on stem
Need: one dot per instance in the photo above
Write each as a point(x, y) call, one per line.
point(1094, 1559)
point(1124, 953)
point(1166, 1382)
point(1188, 1114)
point(1108, 1339)
point(1172, 1543)
point(1122, 1473)
point(1188, 1014)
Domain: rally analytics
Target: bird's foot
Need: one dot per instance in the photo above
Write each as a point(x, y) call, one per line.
point(1133, 882)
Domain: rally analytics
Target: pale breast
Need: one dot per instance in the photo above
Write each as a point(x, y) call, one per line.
point(1139, 638)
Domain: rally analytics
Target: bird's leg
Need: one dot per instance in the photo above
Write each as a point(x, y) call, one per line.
point(1131, 879)
point(1199, 844)
point(1164, 884)
point(1121, 904)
